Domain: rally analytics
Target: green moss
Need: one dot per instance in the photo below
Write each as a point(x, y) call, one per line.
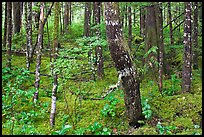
point(182, 122)
point(145, 130)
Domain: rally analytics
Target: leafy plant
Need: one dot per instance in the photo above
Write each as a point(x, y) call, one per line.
point(97, 129)
point(146, 108)
point(165, 129)
point(175, 82)
point(62, 131)
point(110, 108)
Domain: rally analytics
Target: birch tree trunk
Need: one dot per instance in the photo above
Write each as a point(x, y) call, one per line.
point(28, 19)
point(39, 51)
point(55, 50)
point(120, 54)
point(5, 25)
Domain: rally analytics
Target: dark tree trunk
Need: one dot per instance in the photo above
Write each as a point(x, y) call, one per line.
point(99, 50)
point(154, 38)
point(150, 31)
point(195, 36)
point(70, 13)
point(129, 27)
point(87, 19)
point(5, 25)
point(134, 17)
point(55, 76)
point(142, 21)
point(66, 17)
point(126, 16)
point(60, 18)
point(187, 56)
point(123, 63)
point(16, 17)
point(170, 23)
point(9, 30)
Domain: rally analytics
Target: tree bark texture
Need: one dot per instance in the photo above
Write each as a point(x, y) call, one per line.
point(5, 25)
point(170, 23)
point(99, 49)
point(39, 51)
point(120, 54)
point(129, 27)
point(142, 21)
point(187, 56)
point(87, 19)
point(159, 29)
point(28, 19)
point(55, 76)
point(16, 17)
point(9, 30)
point(195, 36)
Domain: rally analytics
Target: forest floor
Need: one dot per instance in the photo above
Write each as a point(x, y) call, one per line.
point(178, 113)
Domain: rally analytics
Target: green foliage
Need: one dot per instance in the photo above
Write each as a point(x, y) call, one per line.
point(146, 109)
point(62, 131)
point(110, 108)
point(174, 87)
point(165, 129)
point(17, 102)
point(98, 129)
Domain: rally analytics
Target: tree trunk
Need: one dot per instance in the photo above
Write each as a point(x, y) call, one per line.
point(16, 17)
point(66, 17)
point(126, 16)
point(39, 51)
point(142, 21)
point(123, 63)
point(129, 27)
point(159, 29)
point(70, 13)
point(9, 30)
point(60, 18)
point(28, 32)
point(87, 19)
point(195, 36)
point(5, 25)
point(55, 76)
point(170, 23)
point(98, 50)
point(187, 66)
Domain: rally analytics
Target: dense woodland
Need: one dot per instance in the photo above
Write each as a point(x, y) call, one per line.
point(101, 68)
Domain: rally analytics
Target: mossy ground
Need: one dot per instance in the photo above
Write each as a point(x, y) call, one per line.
point(180, 110)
